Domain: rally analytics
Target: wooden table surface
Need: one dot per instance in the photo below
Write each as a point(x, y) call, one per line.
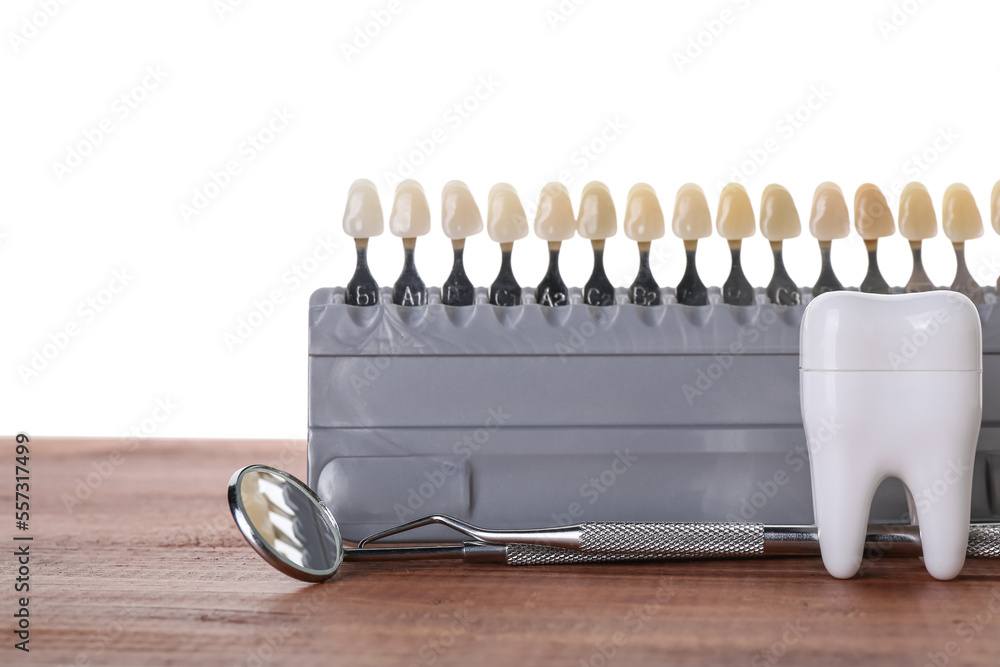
point(136, 560)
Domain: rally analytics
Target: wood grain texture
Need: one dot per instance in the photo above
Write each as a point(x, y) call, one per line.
point(150, 569)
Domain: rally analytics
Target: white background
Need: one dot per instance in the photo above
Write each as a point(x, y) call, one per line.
point(897, 76)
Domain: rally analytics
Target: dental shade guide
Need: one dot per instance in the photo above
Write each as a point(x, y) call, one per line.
point(554, 223)
point(734, 222)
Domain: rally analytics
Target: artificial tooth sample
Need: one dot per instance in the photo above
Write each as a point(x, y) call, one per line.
point(692, 221)
point(460, 219)
point(873, 220)
point(598, 222)
point(555, 223)
point(411, 217)
point(917, 222)
point(779, 220)
point(889, 391)
point(995, 215)
point(828, 221)
point(962, 222)
point(506, 223)
point(735, 222)
point(362, 221)
point(644, 224)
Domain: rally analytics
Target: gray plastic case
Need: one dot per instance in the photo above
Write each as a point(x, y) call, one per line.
point(532, 416)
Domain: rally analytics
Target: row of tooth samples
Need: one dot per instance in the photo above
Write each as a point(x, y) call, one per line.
point(644, 223)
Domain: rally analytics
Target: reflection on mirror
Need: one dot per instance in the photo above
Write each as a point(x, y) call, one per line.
point(286, 523)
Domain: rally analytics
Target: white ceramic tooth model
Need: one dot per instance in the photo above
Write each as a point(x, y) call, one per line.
point(892, 387)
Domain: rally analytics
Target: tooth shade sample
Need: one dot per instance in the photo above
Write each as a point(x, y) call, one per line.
point(692, 219)
point(735, 219)
point(917, 220)
point(554, 219)
point(505, 218)
point(598, 219)
point(995, 206)
point(872, 216)
point(643, 215)
point(411, 214)
point(779, 220)
point(460, 217)
point(829, 219)
point(960, 216)
point(363, 214)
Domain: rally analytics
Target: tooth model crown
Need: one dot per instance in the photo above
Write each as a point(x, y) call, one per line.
point(891, 386)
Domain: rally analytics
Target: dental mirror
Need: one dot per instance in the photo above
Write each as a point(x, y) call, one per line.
point(286, 523)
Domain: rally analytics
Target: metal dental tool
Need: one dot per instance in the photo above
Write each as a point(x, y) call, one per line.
point(291, 528)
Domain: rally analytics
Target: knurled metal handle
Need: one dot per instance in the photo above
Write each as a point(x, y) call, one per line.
point(684, 540)
point(984, 541)
point(535, 554)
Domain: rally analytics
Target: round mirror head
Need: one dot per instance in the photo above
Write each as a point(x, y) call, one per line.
point(286, 523)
